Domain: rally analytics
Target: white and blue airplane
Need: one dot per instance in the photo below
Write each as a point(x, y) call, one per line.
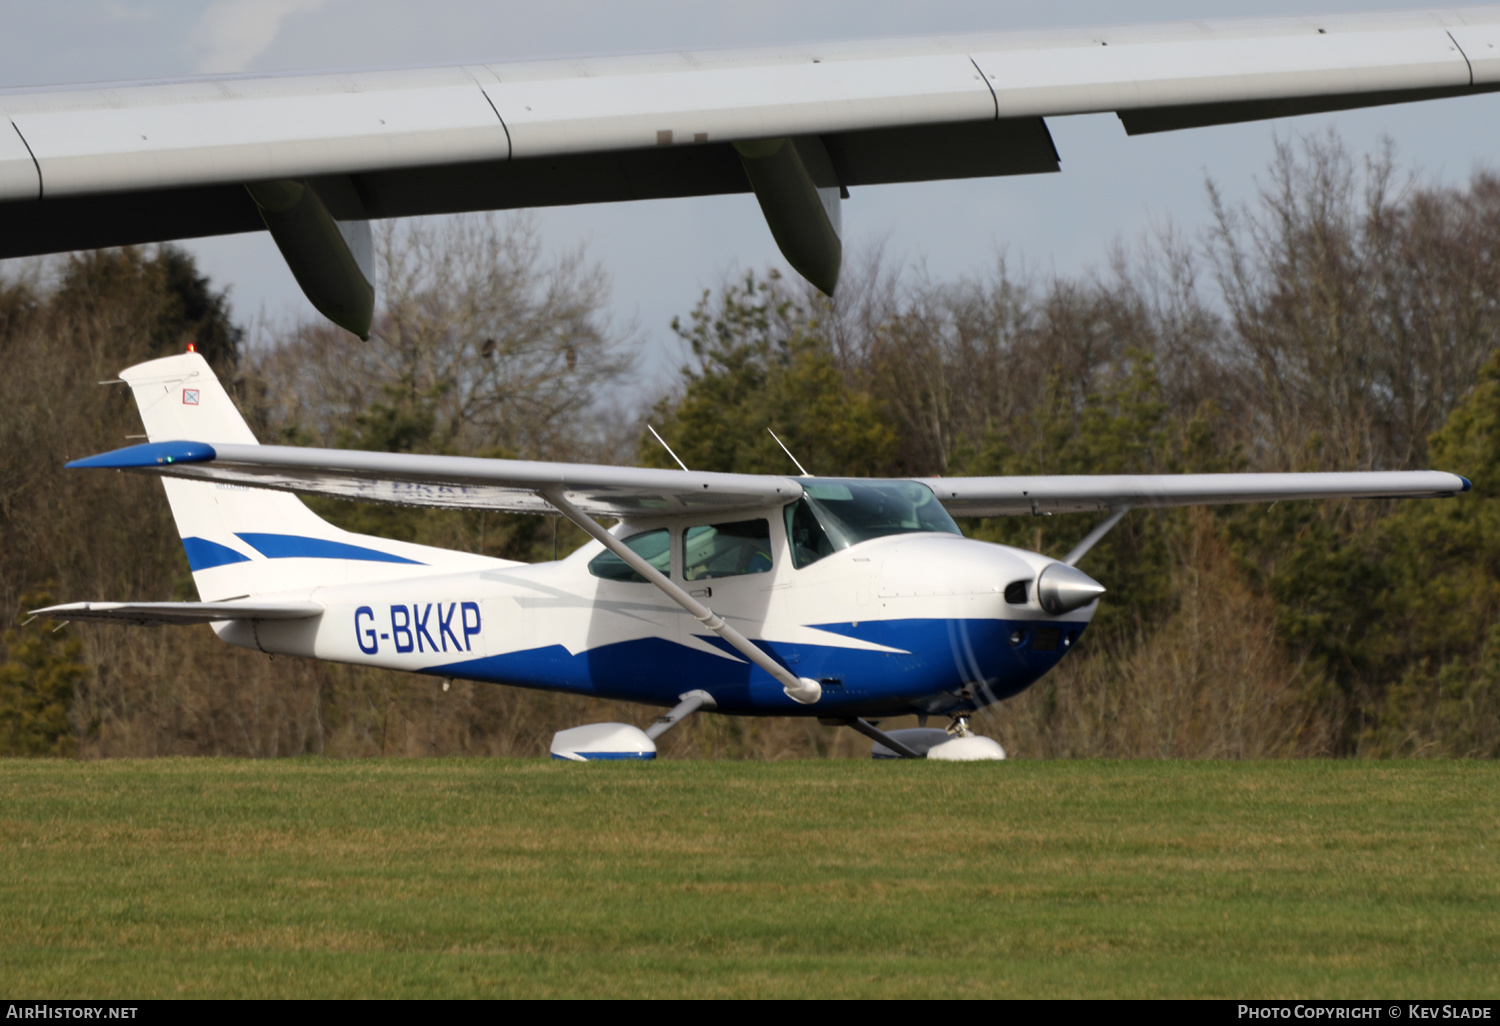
point(752, 595)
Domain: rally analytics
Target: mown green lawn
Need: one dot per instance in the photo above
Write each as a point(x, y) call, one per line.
point(525, 878)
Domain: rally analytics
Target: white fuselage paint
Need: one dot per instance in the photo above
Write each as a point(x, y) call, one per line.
point(437, 623)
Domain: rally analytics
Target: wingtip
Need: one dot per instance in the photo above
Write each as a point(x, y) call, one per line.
point(151, 454)
point(1467, 483)
point(49, 611)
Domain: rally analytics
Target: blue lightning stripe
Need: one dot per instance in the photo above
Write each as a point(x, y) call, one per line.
point(933, 657)
point(203, 554)
point(295, 546)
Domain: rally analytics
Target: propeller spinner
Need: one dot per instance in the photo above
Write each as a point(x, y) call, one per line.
point(1062, 588)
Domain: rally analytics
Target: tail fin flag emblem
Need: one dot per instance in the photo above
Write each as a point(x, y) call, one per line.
point(190, 397)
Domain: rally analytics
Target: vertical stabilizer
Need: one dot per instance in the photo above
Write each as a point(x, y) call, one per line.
point(249, 541)
point(180, 397)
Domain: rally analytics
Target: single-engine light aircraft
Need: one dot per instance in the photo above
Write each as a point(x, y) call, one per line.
point(312, 158)
point(752, 595)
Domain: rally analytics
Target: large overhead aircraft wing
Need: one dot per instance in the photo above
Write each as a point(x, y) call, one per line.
point(525, 486)
point(313, 158)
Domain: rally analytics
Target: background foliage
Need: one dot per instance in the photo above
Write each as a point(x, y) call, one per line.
point(1346, 321)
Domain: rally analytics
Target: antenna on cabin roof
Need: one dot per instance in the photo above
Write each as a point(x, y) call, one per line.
point(788, 452)
point(667, 447)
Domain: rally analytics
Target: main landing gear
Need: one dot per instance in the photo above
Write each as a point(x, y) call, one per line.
point(621, 740)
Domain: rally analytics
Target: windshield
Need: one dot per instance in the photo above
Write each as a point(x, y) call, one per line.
point(834, 514)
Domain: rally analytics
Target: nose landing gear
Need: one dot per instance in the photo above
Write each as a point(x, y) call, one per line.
point(966, 746)
point(956, 744)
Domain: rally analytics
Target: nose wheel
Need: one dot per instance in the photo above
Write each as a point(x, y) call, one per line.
point(955, 744)
point(965, 746)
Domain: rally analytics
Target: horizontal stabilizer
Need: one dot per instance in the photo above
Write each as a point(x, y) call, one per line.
point(159, 614)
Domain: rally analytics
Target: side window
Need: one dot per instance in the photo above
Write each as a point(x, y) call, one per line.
point(809, 541)
point(726, 550)
point(653, 546)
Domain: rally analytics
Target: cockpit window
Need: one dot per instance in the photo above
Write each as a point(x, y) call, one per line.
point(834, 514)
point(726, 550)
point(653, 546)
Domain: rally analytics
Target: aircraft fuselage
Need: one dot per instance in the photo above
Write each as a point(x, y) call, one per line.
point(916, 622)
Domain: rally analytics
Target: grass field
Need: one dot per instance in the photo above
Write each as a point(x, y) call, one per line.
point(526, 878)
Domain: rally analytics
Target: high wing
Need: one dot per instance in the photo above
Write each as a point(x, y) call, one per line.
point(1013, 496)
point(313, 157)
point(461, 482)
point(517, 485)
point(169, 614)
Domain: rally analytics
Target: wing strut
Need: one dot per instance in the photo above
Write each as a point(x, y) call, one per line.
point(689, 704)
point(798, 689)
point(874, 733)
point(1095, 536)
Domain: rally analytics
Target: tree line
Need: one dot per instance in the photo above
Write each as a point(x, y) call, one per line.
point(1345, 320)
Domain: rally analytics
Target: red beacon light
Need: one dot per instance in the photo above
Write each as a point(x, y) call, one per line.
point(192, 347)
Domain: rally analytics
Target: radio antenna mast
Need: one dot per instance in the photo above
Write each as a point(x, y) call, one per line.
point(667, 447)
point(788, 452)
